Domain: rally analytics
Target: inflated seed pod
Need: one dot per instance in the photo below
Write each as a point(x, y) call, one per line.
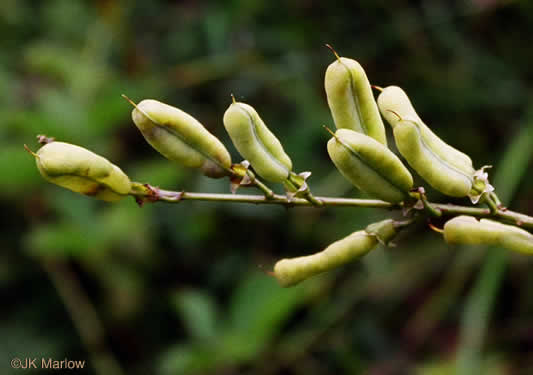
point(291, 271)
point(370, 166)
point(81, 171)
point(180, 137)
point(351, 100)
point(467, 230)
point(395, 106)
point(439, 173)
point(256, 143)
point(516, 239)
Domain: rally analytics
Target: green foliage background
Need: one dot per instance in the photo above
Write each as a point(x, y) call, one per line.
point(182, 289)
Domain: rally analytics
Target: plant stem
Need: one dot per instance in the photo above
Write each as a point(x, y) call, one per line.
point(294, 182)
point(268, 192)
point(144, 193)
point(428, 206)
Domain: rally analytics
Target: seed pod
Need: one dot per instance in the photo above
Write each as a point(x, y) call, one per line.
point(291, 271)
point(395, 105)
point(442, 166)
point(467, 230)
point(370, 166)
point(516, 239)
point(81, 171)
point(440, 174)
point(351, 100)
point(180, 137)
point(256, 143)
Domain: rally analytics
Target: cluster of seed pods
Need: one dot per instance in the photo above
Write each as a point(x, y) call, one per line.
point(358, 148)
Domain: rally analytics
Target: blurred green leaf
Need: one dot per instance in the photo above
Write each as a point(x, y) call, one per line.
point(257, 310)
point(198, 311)
point(158, 171)
point(18, 169)
point(188, 359)
point(64, 239)
point(87, 231)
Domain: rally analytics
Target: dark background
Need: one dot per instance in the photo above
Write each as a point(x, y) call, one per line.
point(182, 289)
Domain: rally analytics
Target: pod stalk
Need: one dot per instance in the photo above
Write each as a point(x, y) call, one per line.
point(434, 228)
point(428, 207)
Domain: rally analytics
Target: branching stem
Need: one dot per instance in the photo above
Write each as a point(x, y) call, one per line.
point(146, 193)
point(428, 206)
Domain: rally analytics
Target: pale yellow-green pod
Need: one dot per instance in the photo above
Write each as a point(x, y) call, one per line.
point(395, 106)
point(370, 166)
point(180, 137)
point(442, 166)
point(439, 173)
point(516, 239)
point(291, 271)
point(351, 100)
point(256, 143)
point(467, 230)
point(82, 171)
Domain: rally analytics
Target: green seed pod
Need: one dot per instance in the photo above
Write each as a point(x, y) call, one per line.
point(467, 230)
point(439, 173)
point(291, 271)
point(370, 166)
point(180, 137)
point(256, 143)
point(395, 105)
point(82, 171)
point(442, 166)
point(516, 239)
point(351, 100)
